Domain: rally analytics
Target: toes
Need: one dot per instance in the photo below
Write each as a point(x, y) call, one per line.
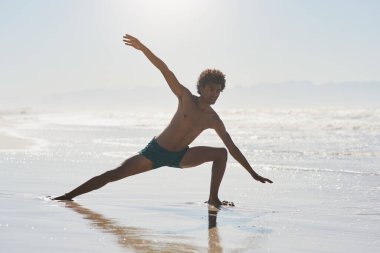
point(227, 203)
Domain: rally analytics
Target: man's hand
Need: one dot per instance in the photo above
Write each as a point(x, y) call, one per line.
point(132, 41)
point(261, 179)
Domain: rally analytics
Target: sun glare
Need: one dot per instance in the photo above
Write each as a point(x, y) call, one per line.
point(167, 6)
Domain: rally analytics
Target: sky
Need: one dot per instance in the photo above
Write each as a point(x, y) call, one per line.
point(51, 47)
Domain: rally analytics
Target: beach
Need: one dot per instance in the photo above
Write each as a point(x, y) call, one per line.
point(86, 85)
point(9, 141)
point(12, 142)
point(324, 164)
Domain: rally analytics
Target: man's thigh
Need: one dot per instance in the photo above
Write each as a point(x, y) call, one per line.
point(197, 155)
point(132, 166)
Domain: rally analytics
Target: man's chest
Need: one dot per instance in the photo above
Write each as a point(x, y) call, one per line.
point(194, 118)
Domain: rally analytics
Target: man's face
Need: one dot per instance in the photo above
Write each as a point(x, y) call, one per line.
point(210, 92)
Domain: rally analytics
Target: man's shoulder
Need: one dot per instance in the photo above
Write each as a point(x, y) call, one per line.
point(187, 95)
point(218, 125)
point(215, 120)
point(214, 114)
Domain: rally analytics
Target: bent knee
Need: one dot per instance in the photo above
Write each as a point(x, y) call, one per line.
point(222, 153)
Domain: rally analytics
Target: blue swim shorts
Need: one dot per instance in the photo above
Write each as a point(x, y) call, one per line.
point(162, 157)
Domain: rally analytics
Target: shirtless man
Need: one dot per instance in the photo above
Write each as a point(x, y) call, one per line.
point(170, 148)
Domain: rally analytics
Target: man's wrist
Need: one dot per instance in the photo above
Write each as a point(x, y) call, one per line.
point(254, 174)
point(143, 48)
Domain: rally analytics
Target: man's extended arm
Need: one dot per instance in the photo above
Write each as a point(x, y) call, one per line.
point(177, 88)
point(236, 153)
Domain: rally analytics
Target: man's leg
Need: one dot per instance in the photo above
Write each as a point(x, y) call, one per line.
point(132, 166)
point(198, 155)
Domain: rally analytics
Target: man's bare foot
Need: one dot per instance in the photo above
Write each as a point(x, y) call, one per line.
point(63, 197)
point(219, 203)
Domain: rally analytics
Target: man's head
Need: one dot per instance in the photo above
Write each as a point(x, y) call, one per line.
point(210, 83)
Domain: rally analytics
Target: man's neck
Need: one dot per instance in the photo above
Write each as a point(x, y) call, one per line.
point(203, 105)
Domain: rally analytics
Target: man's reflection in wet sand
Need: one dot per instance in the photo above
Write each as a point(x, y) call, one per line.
point(133, 238)
point(213, 236)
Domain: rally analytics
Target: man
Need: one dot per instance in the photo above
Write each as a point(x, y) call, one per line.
point(170, 148)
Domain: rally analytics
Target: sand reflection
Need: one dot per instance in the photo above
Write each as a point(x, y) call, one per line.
point(133, 238)
point(139, 239)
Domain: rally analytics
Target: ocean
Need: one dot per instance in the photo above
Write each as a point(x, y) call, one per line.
point(325, 164)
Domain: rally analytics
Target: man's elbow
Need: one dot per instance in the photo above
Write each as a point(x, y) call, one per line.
point(165, 71)
point(232, 149)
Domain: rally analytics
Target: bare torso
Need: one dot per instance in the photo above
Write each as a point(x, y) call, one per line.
point(187, 123)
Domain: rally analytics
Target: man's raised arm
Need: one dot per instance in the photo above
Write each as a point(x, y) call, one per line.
point(177, 88)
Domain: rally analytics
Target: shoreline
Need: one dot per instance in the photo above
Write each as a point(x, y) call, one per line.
point(12, 142)
point(8, 141)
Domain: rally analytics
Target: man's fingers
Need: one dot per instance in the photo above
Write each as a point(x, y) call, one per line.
point(128, 36)
point(130, 41)
point(264, 180)
point(268, 180)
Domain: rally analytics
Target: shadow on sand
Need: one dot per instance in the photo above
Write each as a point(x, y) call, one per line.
point(138, 239)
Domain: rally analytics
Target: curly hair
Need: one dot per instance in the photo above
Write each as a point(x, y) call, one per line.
point(211, 76)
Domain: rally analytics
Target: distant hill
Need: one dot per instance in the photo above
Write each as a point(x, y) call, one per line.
point(291, 94)
point(304, 94)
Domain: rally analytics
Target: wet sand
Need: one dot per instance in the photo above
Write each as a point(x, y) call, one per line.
point(323, 207)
